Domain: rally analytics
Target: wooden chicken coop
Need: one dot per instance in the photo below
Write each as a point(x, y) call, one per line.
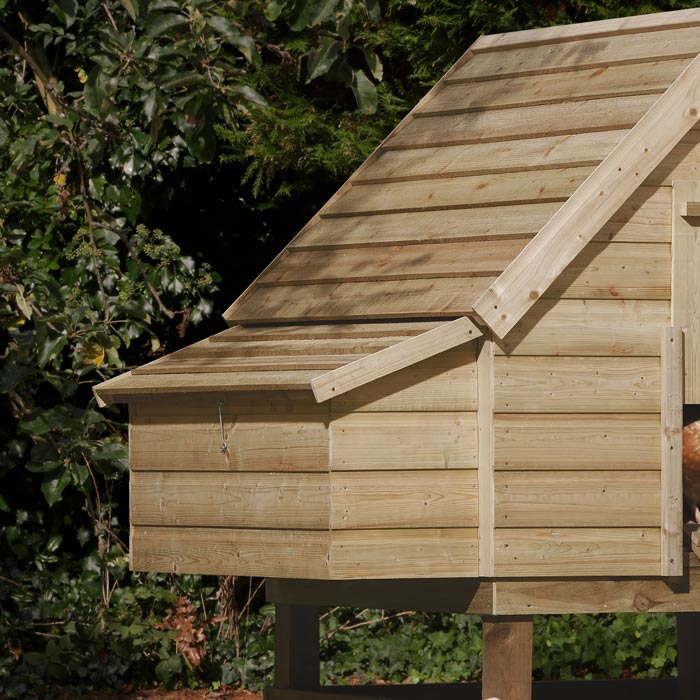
point(461, 386)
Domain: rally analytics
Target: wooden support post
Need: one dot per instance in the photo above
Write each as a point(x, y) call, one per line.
point(688, 645)
point(297, 651)
point(507, 658)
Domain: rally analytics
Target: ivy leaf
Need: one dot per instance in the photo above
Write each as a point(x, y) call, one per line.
point(274, 9)
point(365, 92)
point(321, 59)
point(243, 43)
point(53, 488)
point(160, 23)
point(250, 95)
point(373, 63)
point(373, 9)
point(321, 10)
point(132, 7)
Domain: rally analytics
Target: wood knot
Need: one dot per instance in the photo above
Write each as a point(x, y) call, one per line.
point(693, 112)
point(641, 603)
point(534, 295)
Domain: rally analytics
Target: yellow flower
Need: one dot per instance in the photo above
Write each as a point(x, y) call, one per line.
point(82, 75)
point(60, 179)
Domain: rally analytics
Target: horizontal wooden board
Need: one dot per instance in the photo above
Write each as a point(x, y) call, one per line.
point(644, 218)
point(219, 364)
point(612, 28)
point(419, 440)
point(542, 153)
point(589, 327)
point(429, 261)
point(577, 384)
point(254, 443)
point(457, 192)
point(238, 500)
point(565, 552)
point(524, 122)
point(577, 498)
point(405, 499)
point(616, 271)
point(513, 221)
point(289, 348)
point(443, 297)
point(326, 331)
point(228, 552)
point(445, 382)
point(419, 553)
point(577, 54)
point(682, 163)
point(545, 88)
point(577, 441)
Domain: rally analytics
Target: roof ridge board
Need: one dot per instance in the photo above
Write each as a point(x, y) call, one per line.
point(593, 204)
point(466, 56)
point(562, 33)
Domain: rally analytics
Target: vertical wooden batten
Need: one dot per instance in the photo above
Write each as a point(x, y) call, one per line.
point(485, 377)
point(507, 658)
point(671, 452)
point(686, 279)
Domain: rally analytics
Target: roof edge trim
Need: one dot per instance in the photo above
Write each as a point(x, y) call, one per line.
point(580, 218)
point(394, 358)
point(561, 33)
point(107, 392)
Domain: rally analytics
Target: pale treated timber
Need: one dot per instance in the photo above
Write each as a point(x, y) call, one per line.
point(577, 498)
point(397, 553)
point(673, 43)
point(577, 385)
point(672, 452)
point(328, 331)
point(292, 348)
point(404, 499)
point(591, 551)
point(459, 192)
point(229, 365)
point(616, 271)
point(231, 552)
point(241, 500)
point(554, 247)
point(577, 441)
point(444, 382)
point(543, 153)
point(686, 283)
point(690, 209)
point(397, 357)
point(415, 440)
point(589, 327)
point(297, 647)
point(504, 596)
point(253, 443)
point(682, 163)
point(427, 260)
point(583, 116)
point(659, 21)
point(507, 659)
point(409, 298)
point(645, 217)
point(547, 88)
point(485, 423)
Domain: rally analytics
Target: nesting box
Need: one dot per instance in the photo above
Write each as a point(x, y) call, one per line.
point(472, 362)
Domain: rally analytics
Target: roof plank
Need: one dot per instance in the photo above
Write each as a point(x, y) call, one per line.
point(519, 91)
point(582, 53)
point(658, 21)
point(581, 217)
point(580, 116)
point(404, 354)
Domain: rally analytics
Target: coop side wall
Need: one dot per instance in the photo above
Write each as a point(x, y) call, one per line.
point(403, 469)
point(582, 476)
point(378, 483)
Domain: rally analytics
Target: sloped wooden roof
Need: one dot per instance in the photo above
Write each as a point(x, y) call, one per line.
point(326, 359)
point(446, 216)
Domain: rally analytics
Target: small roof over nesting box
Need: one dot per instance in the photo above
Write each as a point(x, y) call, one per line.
point(549, 168)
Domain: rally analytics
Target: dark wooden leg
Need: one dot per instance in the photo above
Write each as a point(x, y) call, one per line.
point(507, 659)
point(688, 655)
point(297, 652)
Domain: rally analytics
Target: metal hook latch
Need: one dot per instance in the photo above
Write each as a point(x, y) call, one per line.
point(224, 446)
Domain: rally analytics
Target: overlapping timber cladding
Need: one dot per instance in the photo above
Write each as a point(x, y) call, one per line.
point(468, 370)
